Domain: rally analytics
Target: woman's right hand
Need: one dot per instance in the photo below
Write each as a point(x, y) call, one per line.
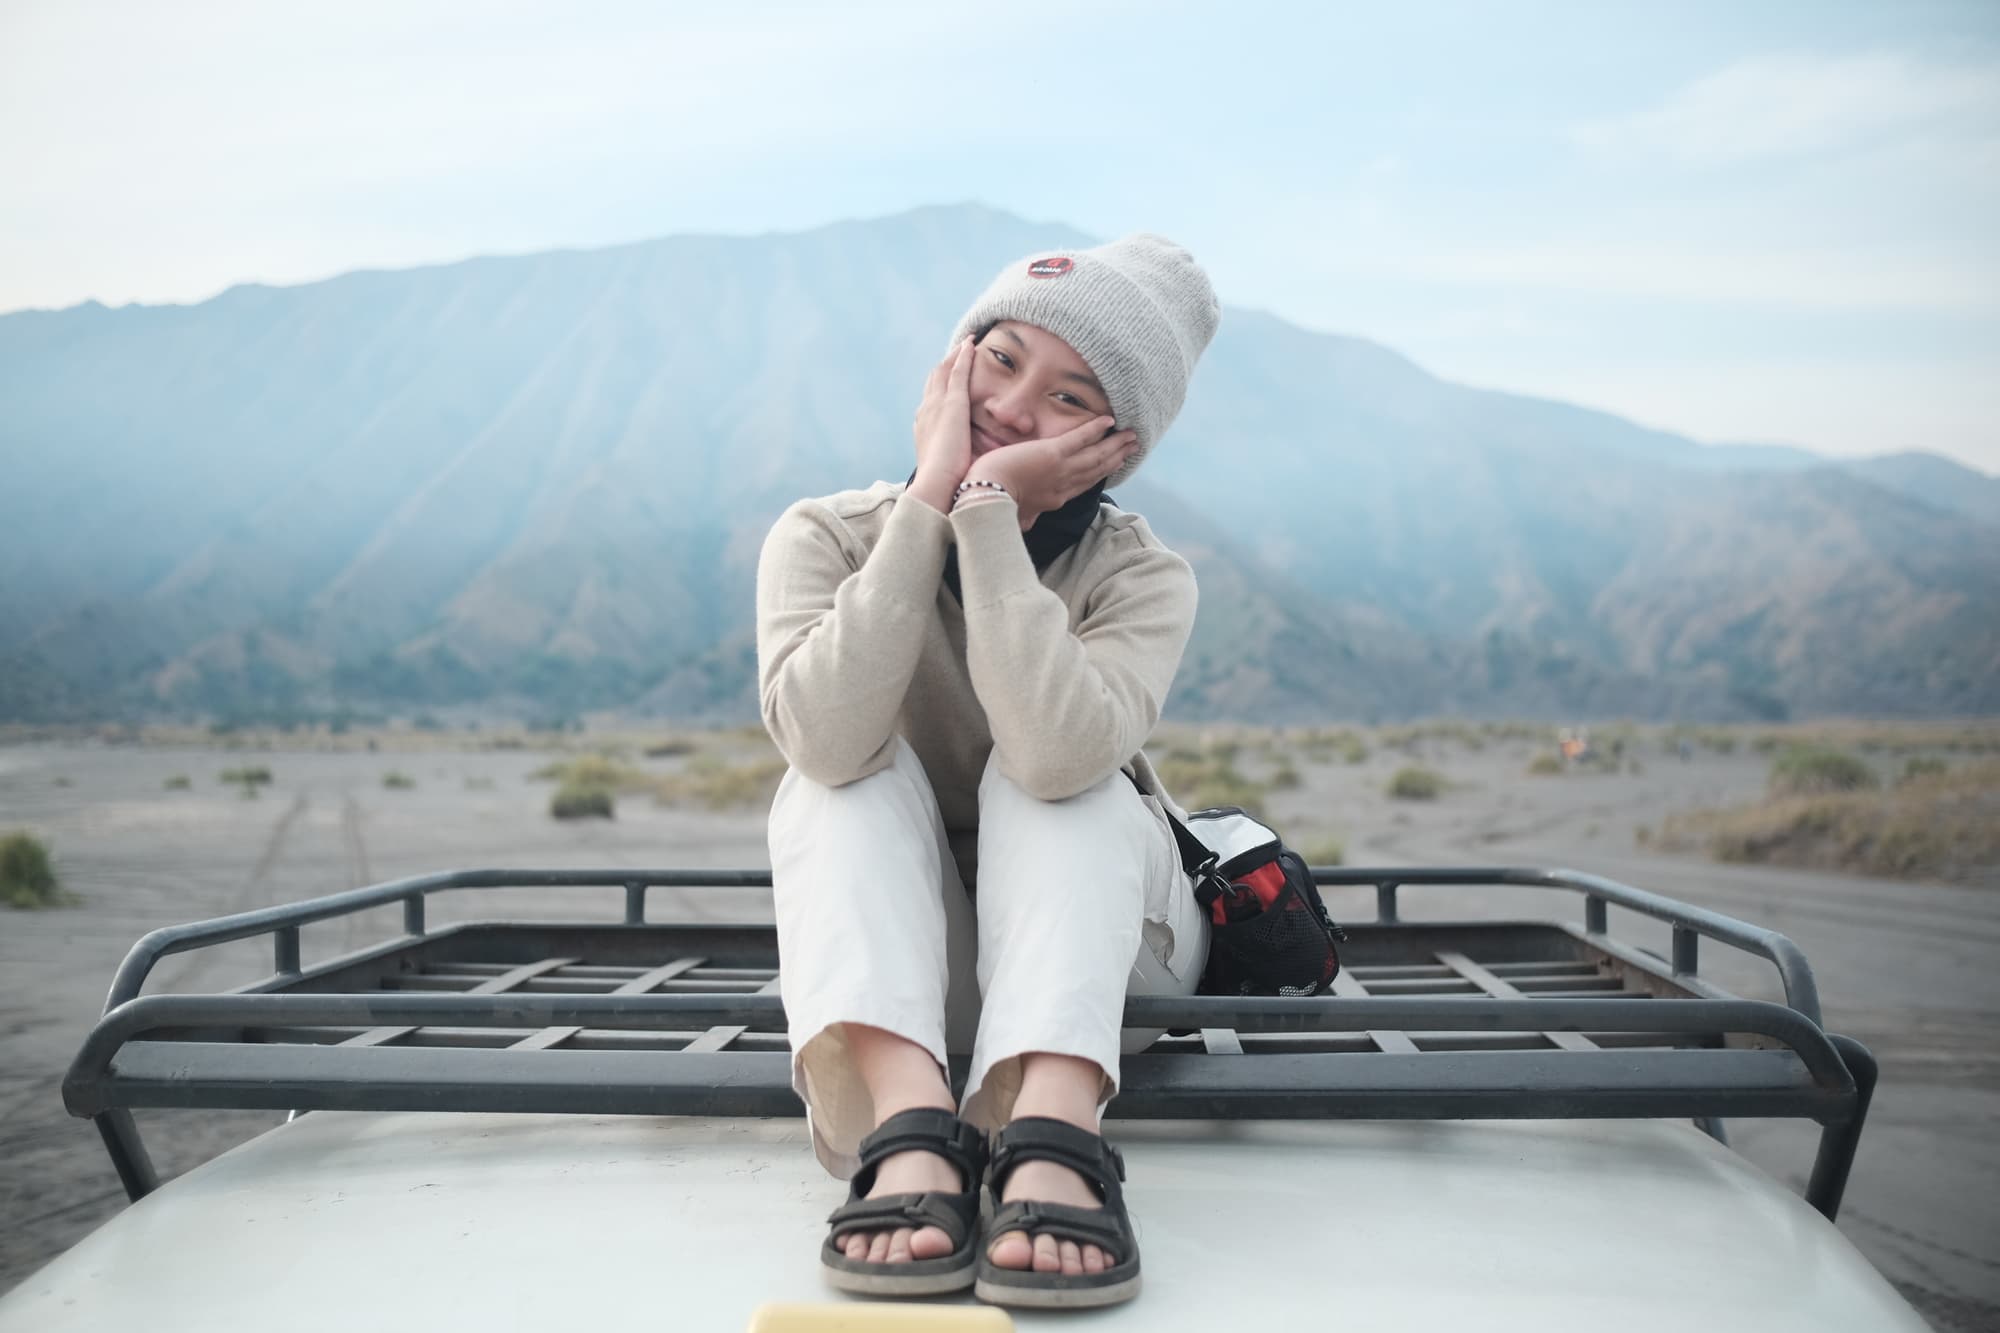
point(944, 428)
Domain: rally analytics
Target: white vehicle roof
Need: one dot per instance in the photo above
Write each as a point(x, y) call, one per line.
point(349, 1221)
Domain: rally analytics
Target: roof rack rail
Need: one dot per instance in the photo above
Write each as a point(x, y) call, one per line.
point(1428, 1020)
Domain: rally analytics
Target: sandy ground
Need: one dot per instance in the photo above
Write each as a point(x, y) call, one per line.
point(1904, 967)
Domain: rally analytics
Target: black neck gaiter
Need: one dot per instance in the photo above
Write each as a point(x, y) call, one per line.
point(1052, 534)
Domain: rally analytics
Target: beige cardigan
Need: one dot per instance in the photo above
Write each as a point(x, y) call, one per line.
point(859, 641)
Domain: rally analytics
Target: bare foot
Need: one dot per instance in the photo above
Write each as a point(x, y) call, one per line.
point(1047, 1182)
point(913, 1172)
point(901, 1076)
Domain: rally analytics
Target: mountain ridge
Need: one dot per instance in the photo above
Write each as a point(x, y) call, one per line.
point(542, 480)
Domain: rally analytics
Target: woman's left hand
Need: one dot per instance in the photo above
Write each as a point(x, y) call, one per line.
point(1044, 475)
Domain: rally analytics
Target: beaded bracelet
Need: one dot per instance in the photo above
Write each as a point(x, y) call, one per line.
point(976, 483)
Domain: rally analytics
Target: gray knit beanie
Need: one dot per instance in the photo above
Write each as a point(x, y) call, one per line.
point(1138, 310)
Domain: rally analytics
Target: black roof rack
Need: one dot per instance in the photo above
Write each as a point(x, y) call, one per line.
point(1446, 1020)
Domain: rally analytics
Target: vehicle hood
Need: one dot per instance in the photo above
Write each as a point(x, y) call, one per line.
point(338, 1221)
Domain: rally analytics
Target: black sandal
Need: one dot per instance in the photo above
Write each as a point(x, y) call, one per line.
point(1038, 1138)
point(957, 1215)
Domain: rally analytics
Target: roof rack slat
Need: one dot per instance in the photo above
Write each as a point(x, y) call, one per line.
point(1389, 1043)
point(638, 985)
point(1503, 990)
point(719, 1037)
point(506, 981)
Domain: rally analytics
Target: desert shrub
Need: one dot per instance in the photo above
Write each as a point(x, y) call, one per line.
point(479, 784)
point(1807, 770)
point(1545, 765)
point(1416, 784)
point(396, 781)
point(1923, 768)
point(1284, 777)
point(577, 801)
point(1643, 835)
point(178, 782)
point(1324, 851)
point(27, 879)
point(668, 749)
point(1353, 749)
point(247, 777)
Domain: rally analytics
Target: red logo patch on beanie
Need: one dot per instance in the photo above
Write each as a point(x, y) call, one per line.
point(1054, 267)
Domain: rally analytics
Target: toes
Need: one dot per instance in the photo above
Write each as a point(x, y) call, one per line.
point(1048, 1258)
point(1072, 1257)
point(903, 1245)
point(930, 1243)
point(1093, 1260)
point(1011, 1250)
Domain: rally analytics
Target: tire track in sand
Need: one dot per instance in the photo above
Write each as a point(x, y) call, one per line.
point(255, 892)
point(354, 856)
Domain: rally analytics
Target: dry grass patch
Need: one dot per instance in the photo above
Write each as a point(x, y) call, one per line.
point(1334, 743)
point(1931, 826)
point(594, 770)
point(1209, 781)
point(1811, 770)
point(717, 784)
point(1324, 850)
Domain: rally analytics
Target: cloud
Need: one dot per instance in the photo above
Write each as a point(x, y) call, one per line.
point(1796, 104)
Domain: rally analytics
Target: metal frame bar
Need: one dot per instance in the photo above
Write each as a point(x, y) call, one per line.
point(164, 1051)
point(1689, 922)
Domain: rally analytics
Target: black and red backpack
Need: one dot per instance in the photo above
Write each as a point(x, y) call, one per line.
point(1271, 934)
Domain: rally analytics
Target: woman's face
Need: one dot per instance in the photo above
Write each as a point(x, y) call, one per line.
point(1028, 384)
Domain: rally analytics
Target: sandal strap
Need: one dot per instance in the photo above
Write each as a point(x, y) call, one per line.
point(953, 1214)
point(1105, 1228)
point(1044, 1139)
point(923, 1129)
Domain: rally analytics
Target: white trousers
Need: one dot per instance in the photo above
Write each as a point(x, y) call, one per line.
point(1079, 902)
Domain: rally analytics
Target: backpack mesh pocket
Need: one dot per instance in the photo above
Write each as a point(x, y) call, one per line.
point(1283, 950)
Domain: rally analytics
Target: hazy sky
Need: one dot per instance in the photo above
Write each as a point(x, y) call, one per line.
point(1743, 221)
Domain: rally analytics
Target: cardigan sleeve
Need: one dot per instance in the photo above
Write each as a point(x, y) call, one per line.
point(1068, 707)
point(838, 636)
